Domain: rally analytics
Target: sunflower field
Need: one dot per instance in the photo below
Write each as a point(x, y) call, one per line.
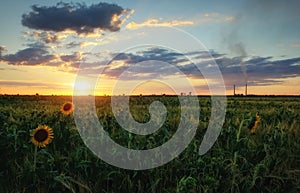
point(258, 149)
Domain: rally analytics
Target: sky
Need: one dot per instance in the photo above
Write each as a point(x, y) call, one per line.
point(149, 47)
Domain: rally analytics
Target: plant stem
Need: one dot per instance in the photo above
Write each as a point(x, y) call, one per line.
point(237, 140)
point(239, 131)
point(236, 154)
point(34, 158)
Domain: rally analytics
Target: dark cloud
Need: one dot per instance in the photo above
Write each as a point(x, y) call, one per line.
point(72, 45)
point(76, 56)
point(46, 37)
point(257, 60)
point(151, 68)
point(260, 70)
point(37, 44)
point(88, 69)
point(38, 54)
point(204, 54)
point(150, 54)
point(28, 56)
point(76, 17)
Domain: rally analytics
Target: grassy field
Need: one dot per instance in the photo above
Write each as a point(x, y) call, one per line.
point(267, 160)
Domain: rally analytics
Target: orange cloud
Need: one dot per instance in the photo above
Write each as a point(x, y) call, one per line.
point(156, 23)
point(84, 44)
point(198, 20)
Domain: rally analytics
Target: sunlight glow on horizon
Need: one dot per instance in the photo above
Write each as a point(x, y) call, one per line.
point(44, 55)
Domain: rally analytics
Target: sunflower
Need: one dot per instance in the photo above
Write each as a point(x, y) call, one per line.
point(67, 108)
point(254, 123)
point(42, 136)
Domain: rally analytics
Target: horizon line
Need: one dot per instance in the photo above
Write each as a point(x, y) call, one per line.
point(153, 95)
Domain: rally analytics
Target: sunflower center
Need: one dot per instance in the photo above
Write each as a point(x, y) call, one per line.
point(41, 135)
point(67, 107)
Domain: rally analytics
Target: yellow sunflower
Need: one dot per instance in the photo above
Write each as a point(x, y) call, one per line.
point(42, 136)
point(254, 123)
point(67, 108)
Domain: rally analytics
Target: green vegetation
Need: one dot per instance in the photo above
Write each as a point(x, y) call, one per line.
point(267, 160)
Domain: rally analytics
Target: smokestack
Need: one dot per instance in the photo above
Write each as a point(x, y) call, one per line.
point(246, 90)
point(234, 90)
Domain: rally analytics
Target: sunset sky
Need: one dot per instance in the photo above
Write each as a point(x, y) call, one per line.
point(144, 46)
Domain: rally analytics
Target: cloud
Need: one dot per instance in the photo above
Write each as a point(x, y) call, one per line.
point(198, 20)
point(260, 70)
point(2, 49)
point(156, 23)
point(75, 17)
point(85, 44)
point(38, 54)
point(144, 64)
point(46, 37)
point(72, 44)
point(11, 69)
point(33, 84)
point(76, 56)
point(82, 44)
point(29, 56)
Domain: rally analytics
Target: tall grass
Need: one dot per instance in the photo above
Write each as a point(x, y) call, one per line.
point(266, 161)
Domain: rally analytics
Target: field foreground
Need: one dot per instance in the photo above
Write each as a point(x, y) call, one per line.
point(249, 155)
